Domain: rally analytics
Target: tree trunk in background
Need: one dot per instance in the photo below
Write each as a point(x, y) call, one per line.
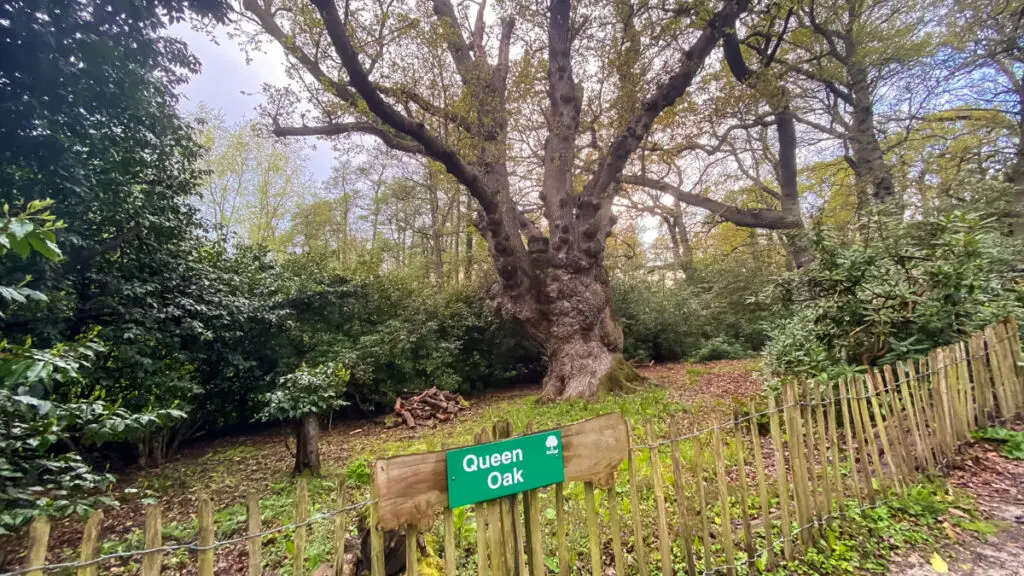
point(307, 445)
point(870, 168)
point(680, 237)
point(797, 248)
point(436, 245)
point(468, 274)
point(1016, 176)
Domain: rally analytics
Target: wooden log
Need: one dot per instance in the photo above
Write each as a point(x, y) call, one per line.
point(723, 495)
point(414, 488)
point(593, 532)
point(685, 524)
point(90, 550)
point(513, 550)
point(153, 535)
point(206, 536)
point(38, 540)
point(658, 481)
point(762, 491)
point(786, 525)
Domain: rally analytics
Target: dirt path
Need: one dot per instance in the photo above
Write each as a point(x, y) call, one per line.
point(997, 483)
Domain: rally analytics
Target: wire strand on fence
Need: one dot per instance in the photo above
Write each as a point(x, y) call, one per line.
point(191, 546)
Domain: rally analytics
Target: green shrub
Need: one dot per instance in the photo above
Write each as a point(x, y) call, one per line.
point(898, 290)
point(721, 349)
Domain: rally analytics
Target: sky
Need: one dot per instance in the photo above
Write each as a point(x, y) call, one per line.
point(231, 85)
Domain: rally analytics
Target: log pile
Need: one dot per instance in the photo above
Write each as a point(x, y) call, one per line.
point(428, 407)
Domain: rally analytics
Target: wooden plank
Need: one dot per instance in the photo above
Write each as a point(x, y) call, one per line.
point(862, 393)
point(536, 536)
point(833, 433)
point(762, 489)
point(944, 401)
point(206, 536)
point(780, 476)
point(495, 546)
point(479, 516)
point(1010, 357)
point(38, 540)
point(512, 542)
point(888, 398)
point(851, 447)
point(826, 489)
point(634, 509)
point(723, 496)
point(801, 486)
point(852, 391)
point(153, 534)
point(412, 560)
point(593, 531)
point(377, 535)
point(807, 458)
point(702, 503)
point(884, 437)
point(903, 385)
point(929, 401)
point(255, 543)
point(531, 560)
point(341, 532)
point(913, 385)
point(685, 524)
point(982, 386)
point(616, 526)
point(968, 389)
point(658, 481)
point(998, 377)
point(563, 545)
point(90, 549)
point(414, 488)
point(450, 547)
point(741, 476)
point(301, 515)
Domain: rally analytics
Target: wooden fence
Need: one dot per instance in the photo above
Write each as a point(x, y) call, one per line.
point(657, 499)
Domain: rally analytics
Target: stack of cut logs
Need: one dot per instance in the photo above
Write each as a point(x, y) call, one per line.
point(428, 407)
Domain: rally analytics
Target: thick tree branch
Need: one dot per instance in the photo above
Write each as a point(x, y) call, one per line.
point(389, 138)
point(429, 107)
point(563, 122)
point(623, 146)
point(458, 48)
point(765, 218)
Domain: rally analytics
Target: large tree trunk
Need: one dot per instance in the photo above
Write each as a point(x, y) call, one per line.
point(581, 339)
point(307, 445)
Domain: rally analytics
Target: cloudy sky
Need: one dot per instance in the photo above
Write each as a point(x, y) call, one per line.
point(229, 84)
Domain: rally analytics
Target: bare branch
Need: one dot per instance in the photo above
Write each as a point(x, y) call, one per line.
point(765, 218)
point(612, 164)
point(389, 138)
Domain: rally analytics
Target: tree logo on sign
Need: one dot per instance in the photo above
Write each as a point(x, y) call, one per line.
point(552, 444)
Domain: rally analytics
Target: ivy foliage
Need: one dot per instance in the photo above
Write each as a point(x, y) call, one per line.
point(893, 293)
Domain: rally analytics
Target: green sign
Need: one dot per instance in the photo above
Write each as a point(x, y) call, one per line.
point(488, 471)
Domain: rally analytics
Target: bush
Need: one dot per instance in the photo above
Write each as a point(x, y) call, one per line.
point(721, 349)
point(673, 318)
point(306, 391)
point(896, 292)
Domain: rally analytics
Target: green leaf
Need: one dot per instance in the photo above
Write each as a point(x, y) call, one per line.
point(45, 247)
